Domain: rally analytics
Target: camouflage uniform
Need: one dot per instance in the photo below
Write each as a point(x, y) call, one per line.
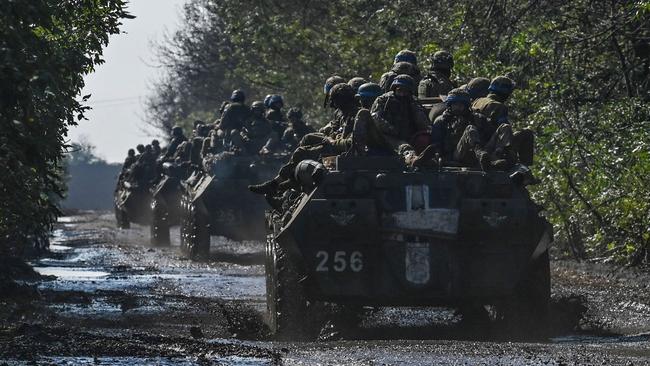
point(398, 119)
point(400, 68)
point(437, 82)
point(296, 130)
point(177, 139)
point(234, 117)
point(258, 129)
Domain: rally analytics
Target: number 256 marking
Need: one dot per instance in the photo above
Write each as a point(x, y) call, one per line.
point(340, 262)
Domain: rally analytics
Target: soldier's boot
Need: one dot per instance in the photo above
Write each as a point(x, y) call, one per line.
point(483, 158)
point(269, 187)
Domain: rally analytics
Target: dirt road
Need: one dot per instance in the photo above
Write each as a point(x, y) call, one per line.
point(108, 298)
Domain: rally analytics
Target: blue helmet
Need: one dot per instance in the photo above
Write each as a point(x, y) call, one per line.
point(275, 99)
point(369, 90)
point(266, 100)
point(238, 96)
point(458, 95)
point(406, 56)
point(404, 81)
point(502, 85)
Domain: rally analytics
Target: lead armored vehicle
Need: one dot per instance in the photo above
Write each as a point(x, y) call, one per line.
point(220, 203)
point(371, 233)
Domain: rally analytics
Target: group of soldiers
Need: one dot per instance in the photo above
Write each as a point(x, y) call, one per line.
point(261, 128)
point(426, 119)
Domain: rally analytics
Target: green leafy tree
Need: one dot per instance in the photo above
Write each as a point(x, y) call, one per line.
point(46, 48)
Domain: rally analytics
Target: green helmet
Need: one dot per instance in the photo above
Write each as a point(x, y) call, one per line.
point(442, 60)
point(502, 85)
point(330, 82)
point(341, 94)
point(406, 68)
point(258, 105)
point(478, 87)
point(356, 82)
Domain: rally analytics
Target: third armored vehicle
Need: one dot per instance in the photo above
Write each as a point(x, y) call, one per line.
point(221, 204)
point(373, 233)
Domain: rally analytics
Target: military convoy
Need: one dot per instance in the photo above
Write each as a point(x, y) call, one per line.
point(373, 233)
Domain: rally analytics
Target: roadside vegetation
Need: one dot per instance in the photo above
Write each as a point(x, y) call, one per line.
point(582, 69)
point(46, 48)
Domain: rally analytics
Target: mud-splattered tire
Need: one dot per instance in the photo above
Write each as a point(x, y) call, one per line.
point(122, 218)
point(527, 313)
point(285, 299)
point(195, 232)
point(159, 223)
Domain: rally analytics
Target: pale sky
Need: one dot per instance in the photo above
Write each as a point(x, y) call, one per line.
point(119, 86)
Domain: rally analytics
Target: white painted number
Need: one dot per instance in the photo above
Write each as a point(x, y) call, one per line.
point(322, 266)
point(340, 261)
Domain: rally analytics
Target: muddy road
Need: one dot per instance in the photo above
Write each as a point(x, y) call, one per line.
point(105, 297)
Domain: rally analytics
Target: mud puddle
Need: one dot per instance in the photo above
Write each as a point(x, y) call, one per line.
point(110, 298)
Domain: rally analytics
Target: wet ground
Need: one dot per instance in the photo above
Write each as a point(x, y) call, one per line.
point(107, 298)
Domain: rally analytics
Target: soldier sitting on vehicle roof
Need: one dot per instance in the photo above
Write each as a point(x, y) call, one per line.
point(493, 107)
point(296, 130)
point(342, 98)
point(258, 131)
point(405, 63)
point(400, 118)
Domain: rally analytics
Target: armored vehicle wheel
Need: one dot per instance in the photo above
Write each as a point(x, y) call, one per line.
point(159, 223)
point(285, 300)
point(122, 219)
point(527, 312)
point(196, 233)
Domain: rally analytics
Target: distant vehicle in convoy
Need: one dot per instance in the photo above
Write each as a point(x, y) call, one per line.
point(371, 233)
point(220, 203)
point(166, 202)
point(132, 204)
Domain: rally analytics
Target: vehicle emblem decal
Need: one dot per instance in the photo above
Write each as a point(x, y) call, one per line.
point(494, 219)
point(418, 268)
point(343, 218)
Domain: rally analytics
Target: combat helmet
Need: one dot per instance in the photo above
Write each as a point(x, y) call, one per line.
point(330, 82)
point(238, 96)
point(442, 60)
point(478, 87)
point(177, 131)
point(502, 85)
point(458, 95)
point(276, 99)
point(356, 82)
point(369, 90)
point(406, 56)
point(404, 81)
point(341, 94)
point(258, 105)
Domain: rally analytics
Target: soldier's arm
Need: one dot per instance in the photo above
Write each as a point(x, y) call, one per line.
point(378, 116)
point(424, 88)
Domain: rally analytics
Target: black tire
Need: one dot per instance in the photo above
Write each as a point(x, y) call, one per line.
point(197, 233)
point(122, 218)
point(159, 223)
point(285, 299)
point(527, 312)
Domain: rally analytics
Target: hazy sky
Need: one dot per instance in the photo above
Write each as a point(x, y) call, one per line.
point(118, 87)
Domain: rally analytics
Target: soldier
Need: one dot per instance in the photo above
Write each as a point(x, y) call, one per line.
point(356, 82)
point(368, 139)
point(437, 81)
point(258, 130)
point(330, 127)
point(177, 138)
point(448, 129)
point(493, 108)
point(296, 130)
point(236, 114)
point(129, 161)
point(314, 146)
point(400, 68)
point(398, 116)
point(155, 144)
point(140, 150)
point(477, 88)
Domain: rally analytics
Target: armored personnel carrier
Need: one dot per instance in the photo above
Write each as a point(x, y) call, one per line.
point(371, 233)
point(166, 202)
point(132, 204)
point(220, 203)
